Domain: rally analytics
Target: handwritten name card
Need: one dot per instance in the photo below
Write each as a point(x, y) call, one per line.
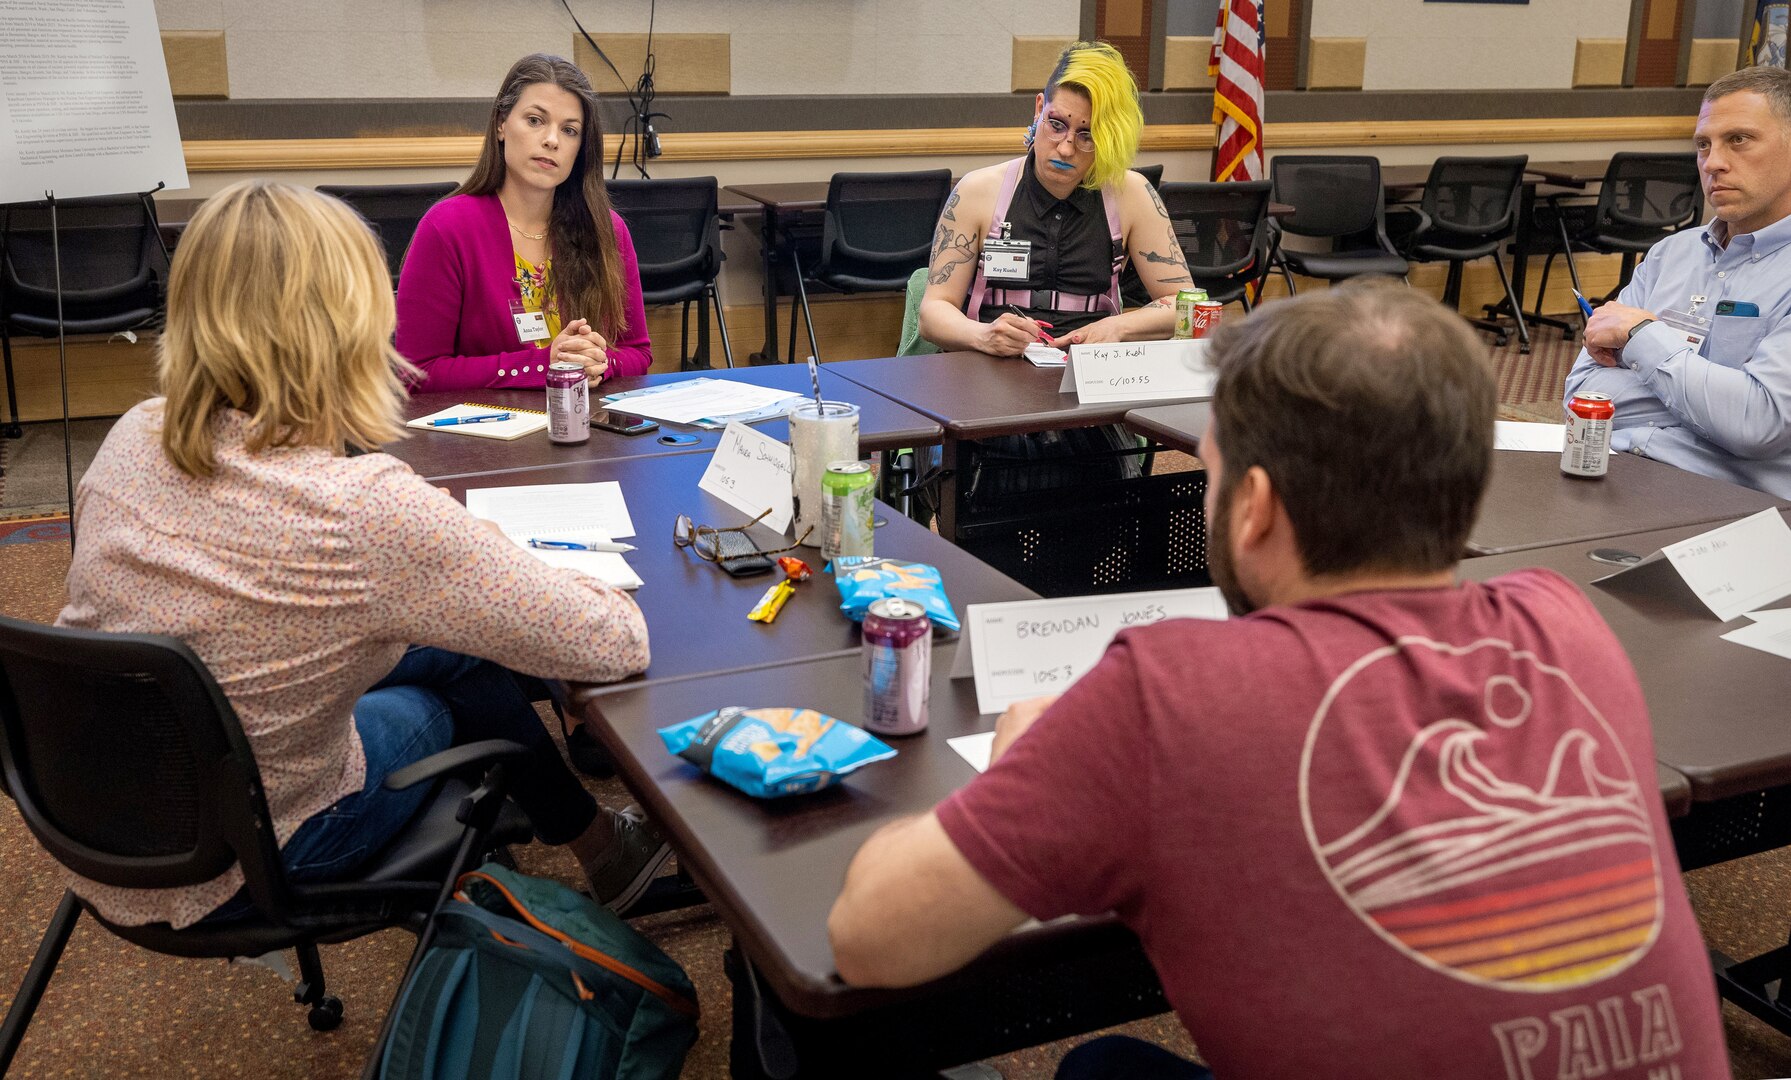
point(1139, 371)
point(751, 471)
point(1732, 569)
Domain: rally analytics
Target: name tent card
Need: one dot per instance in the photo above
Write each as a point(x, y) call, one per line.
point(1138, 371)
point(751, 471)
point(1027, 648)
point(1732, 569)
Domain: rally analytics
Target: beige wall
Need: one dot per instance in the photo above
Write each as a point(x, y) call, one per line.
point(461, 48)
point(1413, 45)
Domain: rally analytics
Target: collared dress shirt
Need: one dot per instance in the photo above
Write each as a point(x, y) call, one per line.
point(1722, 409)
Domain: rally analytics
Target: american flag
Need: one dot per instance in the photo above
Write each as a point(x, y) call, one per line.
point(1236, 66)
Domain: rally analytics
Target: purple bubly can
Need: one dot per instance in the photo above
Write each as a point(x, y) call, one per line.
point(898, 667)
point(568, 403)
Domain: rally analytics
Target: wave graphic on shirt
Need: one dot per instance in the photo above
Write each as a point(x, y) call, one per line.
point(1535, 881)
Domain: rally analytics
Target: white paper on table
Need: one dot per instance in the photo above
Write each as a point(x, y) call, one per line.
point(1770, 615)
point(556, 511)
point(1738, 567)
point(1026, 648)
point(701, 399)
point(607, 566)
point(522, 422)
point(750, 471)
point(1520, 435)
point(1173, 370)
point(1043, 355)
point(974, 748)
point(1771, 636)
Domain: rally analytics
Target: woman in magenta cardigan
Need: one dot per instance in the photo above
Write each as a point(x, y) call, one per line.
point(526, 265)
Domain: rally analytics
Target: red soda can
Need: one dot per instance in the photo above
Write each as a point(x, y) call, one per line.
point(1587, 449)
point(1205, 318)
point(568, 403)
point(898, 667)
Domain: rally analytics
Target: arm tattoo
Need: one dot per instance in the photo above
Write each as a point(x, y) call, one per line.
point(950, 205)
point(1173, 257)
point(951, 249)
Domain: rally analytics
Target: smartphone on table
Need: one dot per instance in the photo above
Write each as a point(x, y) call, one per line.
point(622, 423)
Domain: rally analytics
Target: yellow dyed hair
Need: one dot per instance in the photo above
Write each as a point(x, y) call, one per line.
point(1097, 71)
point(280, 306)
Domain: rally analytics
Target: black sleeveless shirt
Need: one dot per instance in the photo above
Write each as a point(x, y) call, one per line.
point(1071, 249)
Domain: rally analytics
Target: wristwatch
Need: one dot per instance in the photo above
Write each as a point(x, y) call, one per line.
point(1633, 329)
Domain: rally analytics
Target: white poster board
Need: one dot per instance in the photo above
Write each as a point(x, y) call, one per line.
point(84, 102)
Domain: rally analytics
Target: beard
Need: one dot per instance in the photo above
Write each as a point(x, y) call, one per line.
point(1218, 557)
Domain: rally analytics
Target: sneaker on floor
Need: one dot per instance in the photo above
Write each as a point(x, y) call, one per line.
point(637, 857)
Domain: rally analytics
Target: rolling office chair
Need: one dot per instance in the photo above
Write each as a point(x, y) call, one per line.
point(1337, 198)
point(393, 210)
point(113, 266)
point(1224, 234)
point(1643, 199)
point(130, 767)
point(677, 243)
point(1468, 211)
point(877, 231)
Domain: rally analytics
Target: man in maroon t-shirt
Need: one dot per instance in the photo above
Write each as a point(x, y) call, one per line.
point(1383, 826)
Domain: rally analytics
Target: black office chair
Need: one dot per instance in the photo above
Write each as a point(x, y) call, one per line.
point(677, 242)
point(1224, 234)
point(1339, 198)
point(877, 231)
point(130, 767)
point(1469, 210)
point(113, 266)
point(393, 210)
point(1644, 198)
point(1152, 173)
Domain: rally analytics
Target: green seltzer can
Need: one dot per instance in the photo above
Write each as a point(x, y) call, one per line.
point(1184, 311)
point(846, 506)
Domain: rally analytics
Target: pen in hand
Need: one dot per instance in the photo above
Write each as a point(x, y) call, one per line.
point(1021, 314)
point(482, 418)
point(574, 545)
point(1585, 308)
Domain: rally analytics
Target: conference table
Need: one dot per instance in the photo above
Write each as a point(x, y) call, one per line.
point(772, 870)
point(1530, 503)
point(696, 612)
point(882, 425)
point(1718, 708)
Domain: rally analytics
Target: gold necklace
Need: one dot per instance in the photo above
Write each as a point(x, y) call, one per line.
point(542, 235)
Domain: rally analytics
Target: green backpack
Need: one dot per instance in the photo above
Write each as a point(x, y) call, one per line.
point(526, 979)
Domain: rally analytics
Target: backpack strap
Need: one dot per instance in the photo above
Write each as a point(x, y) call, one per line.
point(1010, 182)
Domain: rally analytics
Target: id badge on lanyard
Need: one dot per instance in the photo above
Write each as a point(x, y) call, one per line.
point(1007, 260)
point(1688, 323)
point(531, 326)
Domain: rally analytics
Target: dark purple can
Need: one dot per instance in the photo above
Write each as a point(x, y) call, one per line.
point(898, 667)
point(568, 403)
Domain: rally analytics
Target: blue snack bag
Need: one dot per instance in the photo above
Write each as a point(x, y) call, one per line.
point(865, 579)
point(769, 753)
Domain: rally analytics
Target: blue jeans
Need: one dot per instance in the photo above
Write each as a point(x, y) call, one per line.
point(1121, 1057)
point(432, 700)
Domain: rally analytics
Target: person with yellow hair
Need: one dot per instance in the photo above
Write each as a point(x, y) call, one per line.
point(1038, 243)
point(343, 603)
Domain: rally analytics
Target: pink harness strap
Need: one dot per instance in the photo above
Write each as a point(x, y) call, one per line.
point(980, 290)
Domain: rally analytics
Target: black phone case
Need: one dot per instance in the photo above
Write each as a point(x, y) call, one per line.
point(739, 556)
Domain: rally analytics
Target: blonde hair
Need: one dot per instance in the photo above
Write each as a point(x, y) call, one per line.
point(1096, 70)
point(280, 306)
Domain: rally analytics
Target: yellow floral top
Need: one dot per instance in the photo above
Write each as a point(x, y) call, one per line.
point(536, 287)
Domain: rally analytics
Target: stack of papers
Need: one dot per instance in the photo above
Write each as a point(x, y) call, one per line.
point(1770, 632)
point(1043, 355)
point(706, 403)
point(585, 513)
point(522, 421)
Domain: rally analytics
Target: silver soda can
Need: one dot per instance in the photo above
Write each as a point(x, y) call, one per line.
point(898, 667)
point(568, 403)
point(1586, 452)
point(848, 519)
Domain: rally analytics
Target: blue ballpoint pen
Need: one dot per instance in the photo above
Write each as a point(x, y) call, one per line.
point(482, 418)
point(1585, 308)
point(573, 545)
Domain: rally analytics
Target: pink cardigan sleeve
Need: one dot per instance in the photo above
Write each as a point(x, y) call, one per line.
point(437, 292)
point(631, 353)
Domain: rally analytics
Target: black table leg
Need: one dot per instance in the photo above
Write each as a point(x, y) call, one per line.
point(768, 252)
point(954, 457)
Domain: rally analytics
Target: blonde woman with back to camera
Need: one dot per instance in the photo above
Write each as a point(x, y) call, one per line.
point(357, 618)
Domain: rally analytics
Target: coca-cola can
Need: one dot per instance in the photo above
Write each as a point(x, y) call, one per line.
point(1587, 449)
point(898, 667)
point(568, 403)
point(1205, 318)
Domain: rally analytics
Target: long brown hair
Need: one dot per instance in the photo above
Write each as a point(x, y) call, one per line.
point(587, 269)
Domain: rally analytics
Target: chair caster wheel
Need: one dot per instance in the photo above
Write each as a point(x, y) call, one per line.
point(326, 1015)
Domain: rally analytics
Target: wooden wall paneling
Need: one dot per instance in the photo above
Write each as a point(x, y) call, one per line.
point(1710, 59)
point(1126, 25)
point(1285, 23)
point(198, 63)
point(1657, 47)
point(1336, 63)
point(682, 63)
point(1184, 63)
point(1599, 61)
point(1034, 57)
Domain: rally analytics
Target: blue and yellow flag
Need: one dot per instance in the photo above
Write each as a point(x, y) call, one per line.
point(1768, 43)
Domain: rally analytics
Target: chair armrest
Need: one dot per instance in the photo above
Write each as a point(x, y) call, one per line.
point(455, 758)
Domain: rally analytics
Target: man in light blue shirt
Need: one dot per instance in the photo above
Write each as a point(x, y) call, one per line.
point(1722, 406)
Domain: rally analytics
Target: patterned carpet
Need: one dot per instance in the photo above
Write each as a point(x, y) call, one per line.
point(1530, 386)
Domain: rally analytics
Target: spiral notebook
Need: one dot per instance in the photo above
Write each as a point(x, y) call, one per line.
point(522, 421)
